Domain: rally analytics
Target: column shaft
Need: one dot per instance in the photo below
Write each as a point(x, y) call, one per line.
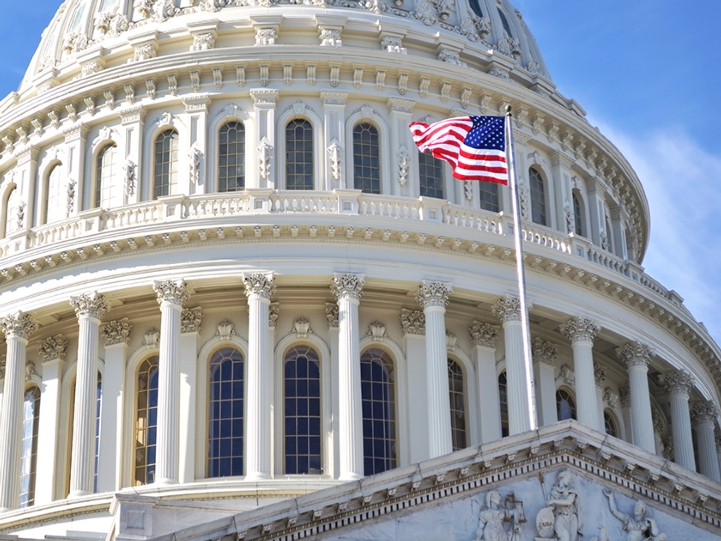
point(440, 440)
point(545, 393)
point(258, 408)
point(681, 431)
point(707, 457)
point(641, 419)
point(489, 405)
point(586, 399)
point(111, 420)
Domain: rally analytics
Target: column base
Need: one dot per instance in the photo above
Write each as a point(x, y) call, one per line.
point(257, 476)
point(166, 482)
point(350, 476)
point(4, 510)
point(78, 494)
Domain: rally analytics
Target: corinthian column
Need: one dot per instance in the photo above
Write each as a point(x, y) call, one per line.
point(508, 310)
point(483, 337)
point(678, 384)
point(90, 308)
point(544, 370)
point(636, 357)
point(347, 289)
point(581, 331)
point(17, 328)
point(704, 416)
point(172, 295)
point(259, 288)
point(433, 297)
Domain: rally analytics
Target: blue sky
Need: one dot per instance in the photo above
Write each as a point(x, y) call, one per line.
point(648, 72)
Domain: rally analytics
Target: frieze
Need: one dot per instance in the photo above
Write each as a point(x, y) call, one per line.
point(116, 332)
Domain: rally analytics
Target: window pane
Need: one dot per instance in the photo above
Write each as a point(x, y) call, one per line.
point(108, 186)
point(29, 446)
point(56, 207)
point(299, 155)
point(231, 158)
point(11, 213)
point(430, 171)
point(565, 405)
point(503, 399)
point(577, 215)
point(225, 445)
point(458, 407)
point(378, 404)
point(489, 196)
point(538, 197)
point(166, 163)
point(146, 422)
point(610, 424)
point(366, 162)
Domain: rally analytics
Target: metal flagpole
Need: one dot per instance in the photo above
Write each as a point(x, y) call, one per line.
point(520, 271)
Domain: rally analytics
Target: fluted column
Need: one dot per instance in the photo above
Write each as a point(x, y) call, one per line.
point(172, 295)
point(347, 289)
point(624, 394)
point(544, 369)
point(433, 297)
point(89, 308)
point(678, 384)
point(718, 449)
point(581, 331)
point(704, 417)
point(190, 320)
point(636, 357)
point(17, 328)
point(259, 288)
point(508, 310)
point(599, 375)
point(331, 314)
point(413, 325)
point(484, 337)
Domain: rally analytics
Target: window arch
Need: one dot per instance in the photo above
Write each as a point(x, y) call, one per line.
point(302, 411)
point(577, 215)
point(490, 199)
point(146, 422)
point(430, 172)
point(226, 400)
point(459, 434)
point(165, 172)
point(610, 424)
point(503, 400)
point(231, 157)
point(538, 197)
point(379, 417)
point(476, 7)
point(29, 446)
point(299, 155)
point(565, 405)
point(11, 211)
point(55, 199)
point(107, 178)
point(504, 22)
point(366, 158)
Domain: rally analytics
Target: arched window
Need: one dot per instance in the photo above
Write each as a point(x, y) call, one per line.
point(366, 158)
point(231, 157)
point(379, 424)
point(56, 203)
point(458, 406)
point(11, 213)
point(302, 411)
point(538, 197)
point(29, 446)
point(299, 155)
point(107, 5)
point(225, 434)
point(489, 196)
point(475, 6)
point(609, 423)
point(146, 422)
point(503, 399)
point(98, 406)
point(504, 22)
point(430, 172)
point(577, 217)
point(165, 172)
point(565, 405)
point(107, 178)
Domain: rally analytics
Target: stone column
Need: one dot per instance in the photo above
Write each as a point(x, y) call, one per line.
point(636, 357)
point(347, 289)
point(263, 175)
point(483, 337)
point(599, 376)
point(190, 319)
point(508, 310)
point(116, 335)
point(196, 109)
point(433, 297)
point(259, 288)
point(90, 309)
point(172, 295)
point(704, 417)
point(413, 324)
point(331, 314)
point(17, 328)
point(53, 351)
point(581, 331)
point(679, 384)
point(625, 396)
point(544, 371)
point(718, 449)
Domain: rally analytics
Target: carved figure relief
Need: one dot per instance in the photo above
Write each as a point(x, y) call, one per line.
point(500, 523)
point(129, 175)
point(403, 164)
point(639, 526)
point(265, 156)
point(195, 155)
point(334, 153)
point(558, 521)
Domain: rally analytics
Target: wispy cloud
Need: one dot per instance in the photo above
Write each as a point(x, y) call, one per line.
point(683, 187)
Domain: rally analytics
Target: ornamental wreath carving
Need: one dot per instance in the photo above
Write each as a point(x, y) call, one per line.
point(171, 291)
point(377, 331)
point(151, 339)
point(53, 348)
point(91, 305)
point(259, 284)
point(225, 330)
point(19, 325)
point(348, 286)
point(301, 327)
point(483, 334)
point(117, 332)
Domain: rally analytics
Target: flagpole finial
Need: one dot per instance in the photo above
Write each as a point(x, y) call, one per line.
point(509, 110)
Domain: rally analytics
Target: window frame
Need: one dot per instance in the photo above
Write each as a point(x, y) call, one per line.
point(466, 402)
point(32, 483)
point(225, 122)
point(546, 206)
point(366, 114)
point(313, 153)
point(96, 194)
point(572, 395)
point(162, 130)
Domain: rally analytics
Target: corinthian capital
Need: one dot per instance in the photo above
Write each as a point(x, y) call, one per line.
point(331, 314)
point(433, 294)
point(483, 334)
point(18, 325)
point(347, 286)
point(413, 322)
point(53, 348)
point(634, 354)
point(190, 319)
point(704, 412)
point(91, 305)
point(678, 383)
point(116, 332)
point(259, 285)
point(580, 329)
point(171, 291)
point(508, 308)
point(544, 352)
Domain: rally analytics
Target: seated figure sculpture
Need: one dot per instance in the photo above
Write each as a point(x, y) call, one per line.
point(639, 526)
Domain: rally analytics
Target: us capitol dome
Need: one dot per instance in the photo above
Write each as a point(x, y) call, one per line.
point(237, 303)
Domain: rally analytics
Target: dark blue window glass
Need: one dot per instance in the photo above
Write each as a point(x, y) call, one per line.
point(565, 405)
point(299, 155)
point(378, 403)
point(225, 443)
point(146, 424)
point(503, 399)
point(458, 405)
point(302, 411)
point(98, 405)
point(430, 173)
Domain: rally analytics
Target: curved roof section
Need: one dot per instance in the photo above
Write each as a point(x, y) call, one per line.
point(80, 24)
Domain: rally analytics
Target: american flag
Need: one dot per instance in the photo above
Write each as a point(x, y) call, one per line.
point(474, 145)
